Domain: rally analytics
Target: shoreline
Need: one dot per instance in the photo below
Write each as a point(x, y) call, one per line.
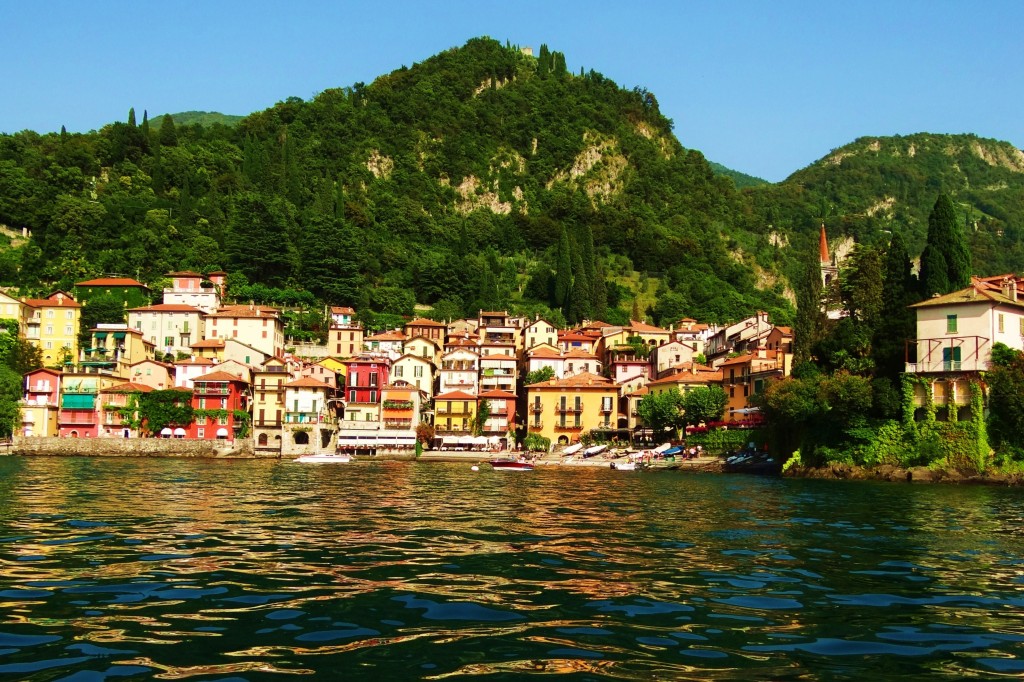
point(894, 474)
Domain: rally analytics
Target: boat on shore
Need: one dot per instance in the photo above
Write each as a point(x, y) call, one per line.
point(510, 464)
point(324, 458)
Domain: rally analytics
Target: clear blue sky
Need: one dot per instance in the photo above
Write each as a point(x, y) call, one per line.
point(763, 87)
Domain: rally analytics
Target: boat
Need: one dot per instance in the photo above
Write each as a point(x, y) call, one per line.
point(624, 466)
point(510, 464)
point(324, 458)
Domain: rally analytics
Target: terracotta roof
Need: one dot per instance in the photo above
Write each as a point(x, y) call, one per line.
point(111, 282)
point(544, 352)
point(498, 394)
point(689, 366)
point(980, 291)
point(688, 377)
point(387, 336)
point(784, 330)
point(307, 382)
point(128, 387)
point(423, 322)
point(574, 336)
point(66, 302)
point(342, 310)
point(581, 354)
point(55, 372)
point(183, 273)
point(643, 390)
point(638, 326)
point(219, 376)
point(165, 365)
point(244, 311)
point(197, 361)
point(497, 356)
point(455, 395)
point(581, 380)
point(748, 357)
point(166, 308)
point(208, 343)
point(493, 313)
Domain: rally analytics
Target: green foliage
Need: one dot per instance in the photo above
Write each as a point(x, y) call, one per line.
point(540, 375)
point(662, 413)
point(704, 404)
point(165, 408)
point(534, 442)
point(1005, 390)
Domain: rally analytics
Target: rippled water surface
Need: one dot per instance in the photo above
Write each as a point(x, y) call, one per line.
point(244, 570)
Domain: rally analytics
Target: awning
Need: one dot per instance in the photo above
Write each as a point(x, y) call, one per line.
point(165, 432)
point(480, 440)
point(119, 335)
point(222, 433)
point(100, 335)
point(76, 401)
point(179, 432)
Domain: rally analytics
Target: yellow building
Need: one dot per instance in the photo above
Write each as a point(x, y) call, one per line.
point(563, 409)
point(113, 349)
point(10, 308)
point(51, 323)
point(454, 413)
point(268, 404)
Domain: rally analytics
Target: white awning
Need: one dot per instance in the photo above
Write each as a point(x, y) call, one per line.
point(480, 440)
point(166, 431)
point(222, 433)
point(179, 432)
point(467, 440)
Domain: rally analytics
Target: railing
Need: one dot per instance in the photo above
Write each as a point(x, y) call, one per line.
point(201, 389)
point(568, 427)
point(353, 425)
point(569, 409)
point(536, 409)
point(301, 418)
point(397, 423)
point(460, 412)
point(605, 410)
point(536, 426)
point(971, 365)
point(78, 419)
point(268, 424)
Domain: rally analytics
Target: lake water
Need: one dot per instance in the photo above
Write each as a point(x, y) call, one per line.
point(255, 570)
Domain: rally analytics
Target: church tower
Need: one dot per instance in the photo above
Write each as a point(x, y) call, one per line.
point(829, 271)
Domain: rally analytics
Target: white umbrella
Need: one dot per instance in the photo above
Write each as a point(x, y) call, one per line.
point(166, 432)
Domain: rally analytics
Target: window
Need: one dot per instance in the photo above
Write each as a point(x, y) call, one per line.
point(201, 420)
point(369, 417)
point(951, 359)
point(418, 371)
point(373, 396)
point(373, 378)
point(49, 313)
point(352, 396)
point(49, 329)
point(168, 341)
point(202, 403)
point(49, 345)
point(951, 324)
point(200, 433)
point(398, 371)
point(999, 319)
point(69, 315)
point(68, 332)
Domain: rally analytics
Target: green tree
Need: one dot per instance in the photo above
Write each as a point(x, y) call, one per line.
point(1006, 409)
point(809, 325)
point(131, 116)
point(541, 375)
point(257, 244)
point(897, 323)
point(704, 404)
point(99, 309)
point(662, 413)
point(165, 408)
point(168, 135)
point(946, 260)
point(580, 294)
point(483, 413)
point(563, 272)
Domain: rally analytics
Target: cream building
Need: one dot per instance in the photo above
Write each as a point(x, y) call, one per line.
point(171, 327)
point(256, 326)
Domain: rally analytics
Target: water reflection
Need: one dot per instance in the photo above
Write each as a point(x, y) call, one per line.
point(172, 569)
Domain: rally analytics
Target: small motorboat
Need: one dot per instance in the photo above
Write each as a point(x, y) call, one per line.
point(509, 464)
point(324, 458)
point(624, 466)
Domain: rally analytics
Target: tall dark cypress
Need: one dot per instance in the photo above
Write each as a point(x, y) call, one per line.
point(946, 260)
point(563, 271)
point(897, 321)
point(810, 319)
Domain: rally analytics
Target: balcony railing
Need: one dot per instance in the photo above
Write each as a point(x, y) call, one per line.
point(971, 365)
point(536, 426)
point(536, 409)
point(202, 389)
point(268, 424)
point(456, 412)
point(77, 419)
point(568, 427)
point(569, 409)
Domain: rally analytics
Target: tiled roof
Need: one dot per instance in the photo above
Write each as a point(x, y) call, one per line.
point(637, 326)
point(423, 322)
point(307, 382)
point(455, 395)
point(688, 377)
point(244, 311)
point(387, 336)
point(581, 380)
point(980, 291)
point(66, 302)
point(128, 387)
point(184, 273)
point(219, 376)
point(498, 394)
point(208, 343)
point(544, 352)
point(342, 310)
point(111, 282)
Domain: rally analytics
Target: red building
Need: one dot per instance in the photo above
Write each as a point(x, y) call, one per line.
point(367, 375)
point(215, 398)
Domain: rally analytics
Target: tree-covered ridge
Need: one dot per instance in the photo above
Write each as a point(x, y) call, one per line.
point(449, 182)
point(877, 185)
point(203, 118)
point(739, 179)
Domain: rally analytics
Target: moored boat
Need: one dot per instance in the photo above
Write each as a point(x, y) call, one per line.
point(324, 458)
point(509, 464)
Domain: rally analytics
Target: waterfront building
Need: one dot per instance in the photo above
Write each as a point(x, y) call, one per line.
point(172, 327)
point(322, 373)
point(308, 426)
point(268, 404)
point(563, 409)
point(745, 376)
point(209, 349)
point(190, 368)
point(541, 356)
point(955, 335)
point(454, 413)
point(740, 337)
point(666, 357)
point(416, 371)
point(51, 324)
point(218, 398)
point(426, 348)
point(501, 416)
point(78, 416)
point(40, 402)
point(498, 371)
point(460, 371)
point(119, 410)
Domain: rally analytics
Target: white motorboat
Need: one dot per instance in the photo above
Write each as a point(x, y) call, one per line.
point(324, 458)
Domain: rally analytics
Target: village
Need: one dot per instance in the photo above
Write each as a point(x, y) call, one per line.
point(457, 386)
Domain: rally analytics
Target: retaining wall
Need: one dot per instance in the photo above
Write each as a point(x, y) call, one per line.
point(134, 447)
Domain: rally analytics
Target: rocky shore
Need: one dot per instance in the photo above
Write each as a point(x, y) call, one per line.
point(888, 472)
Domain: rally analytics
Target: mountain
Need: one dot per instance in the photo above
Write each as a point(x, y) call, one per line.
point(875, 185)
point(741, 180)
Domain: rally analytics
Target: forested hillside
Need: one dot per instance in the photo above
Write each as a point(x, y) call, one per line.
point(480, 178)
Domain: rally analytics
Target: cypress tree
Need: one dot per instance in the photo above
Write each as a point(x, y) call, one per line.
point(600, 292)
point(563, 271)
point(897, 322)
point(580, 298)
point(168, 135)
point(131, 117)
point(810, 319)
point(946, 260)
point(145, 125)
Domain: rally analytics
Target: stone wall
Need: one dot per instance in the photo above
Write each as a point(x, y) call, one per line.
point(134, 447)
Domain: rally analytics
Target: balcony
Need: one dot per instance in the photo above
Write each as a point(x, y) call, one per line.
point(268, 424)
point(88, 419)
point(568, 427)
point(205, 389)
point(457, 412)
point(353, 425)
point(939, 366)
point(397, 423)
point(302, 418)
point(569, 409)
point(606, 409)
point(536, 409)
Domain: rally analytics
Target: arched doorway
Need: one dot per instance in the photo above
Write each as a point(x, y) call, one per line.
point(262, 440)
point(301, 438)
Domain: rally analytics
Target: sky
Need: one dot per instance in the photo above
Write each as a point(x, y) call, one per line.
point(765, 88)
